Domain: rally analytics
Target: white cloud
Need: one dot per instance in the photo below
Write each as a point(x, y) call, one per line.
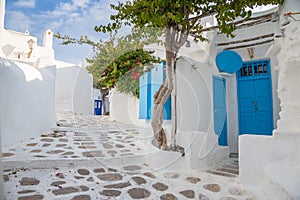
point(18, 21)
point(81, 3)
point(67, 8)
point(81, 22)
point(25, 3)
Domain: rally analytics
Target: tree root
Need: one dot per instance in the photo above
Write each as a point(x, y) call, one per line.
point(162, 140)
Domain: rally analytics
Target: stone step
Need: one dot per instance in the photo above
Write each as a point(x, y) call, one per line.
point(236, 167)
point(221, 173)
point(234, 155)
point(230, 171)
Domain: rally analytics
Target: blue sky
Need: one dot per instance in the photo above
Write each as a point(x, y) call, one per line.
point(70, 17)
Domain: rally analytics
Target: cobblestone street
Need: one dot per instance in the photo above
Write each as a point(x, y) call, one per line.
point(88, 157)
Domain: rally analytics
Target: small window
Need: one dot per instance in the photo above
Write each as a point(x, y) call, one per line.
point(251, 69)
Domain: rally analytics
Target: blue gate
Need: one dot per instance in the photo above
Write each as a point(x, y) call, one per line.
point(220, 112)
point(98, 107)
point(255, 98)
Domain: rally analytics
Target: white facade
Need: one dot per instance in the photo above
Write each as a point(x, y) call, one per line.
point(276, 160)
point(124, 108)
point(270, 162)
point(34, 85)
point(74, 90)
point(195, 113)
point(27, 101)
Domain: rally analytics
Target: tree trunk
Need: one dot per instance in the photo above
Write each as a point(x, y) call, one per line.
point(160, 98)
point(103, 92)
point(174, 40)
point(174, 110)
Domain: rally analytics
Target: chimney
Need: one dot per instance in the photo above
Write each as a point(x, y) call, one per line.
point(48, 39)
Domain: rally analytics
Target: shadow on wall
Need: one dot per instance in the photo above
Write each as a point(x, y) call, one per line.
point(26, 101)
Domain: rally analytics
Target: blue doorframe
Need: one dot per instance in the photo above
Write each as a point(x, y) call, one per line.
point(254, 88)
point(220, 111)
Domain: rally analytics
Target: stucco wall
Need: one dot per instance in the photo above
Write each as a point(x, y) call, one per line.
point(195, 113)
point(194, 105)
point(274, 162)
point(74, 90)
point(124, 108)
point(26, 101)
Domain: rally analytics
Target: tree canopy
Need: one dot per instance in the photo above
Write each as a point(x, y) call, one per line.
point(182, 15)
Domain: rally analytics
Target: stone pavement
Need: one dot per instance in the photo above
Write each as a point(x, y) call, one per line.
point(89, 157)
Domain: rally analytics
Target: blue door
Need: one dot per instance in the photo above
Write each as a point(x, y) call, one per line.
point(220, 114)
point(98, 107)
point(255, 98)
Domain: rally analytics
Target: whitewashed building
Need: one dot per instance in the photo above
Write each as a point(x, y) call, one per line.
point(250, 110)
point(35, 86)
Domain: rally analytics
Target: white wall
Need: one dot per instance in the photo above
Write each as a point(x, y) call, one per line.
point(83, 93)
point(194, 105)
point(274, 162)
point(26, 101)
point(2, 15)
point(124, 108)
point(194, 114)
point(232, 113)
point(97, 93)
point(74, 90)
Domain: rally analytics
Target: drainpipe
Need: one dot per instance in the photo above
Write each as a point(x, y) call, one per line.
point(174, 109)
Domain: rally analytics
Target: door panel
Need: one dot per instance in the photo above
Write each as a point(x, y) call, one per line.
point(220, 113)
point(247, 115)
point(263, 107)
point(255, 99)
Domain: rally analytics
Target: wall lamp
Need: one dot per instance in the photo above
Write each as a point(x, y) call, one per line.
point(251, 52)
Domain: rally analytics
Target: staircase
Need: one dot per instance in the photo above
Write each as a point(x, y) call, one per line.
point(230, 169)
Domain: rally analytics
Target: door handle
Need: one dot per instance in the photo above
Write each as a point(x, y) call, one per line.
point(254, 103)
point(255, 109)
